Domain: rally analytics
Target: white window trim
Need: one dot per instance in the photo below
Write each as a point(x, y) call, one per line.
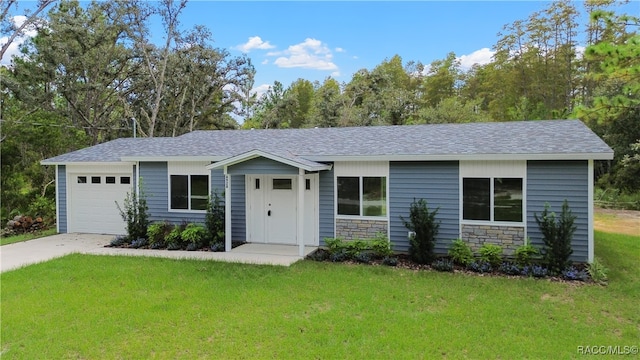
point(187, 169)
point(493, 169)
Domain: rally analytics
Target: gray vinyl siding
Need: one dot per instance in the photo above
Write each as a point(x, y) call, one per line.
point(217, 182)
point(62, 198)
point(326, 206)
point(436, 182)
point(238, 208)
point(262, 165)
point(155, 183)
point(552, 182)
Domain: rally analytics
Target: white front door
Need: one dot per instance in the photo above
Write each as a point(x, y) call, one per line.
point(272, 207)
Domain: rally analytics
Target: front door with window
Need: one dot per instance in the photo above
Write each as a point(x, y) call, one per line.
point(272, 204)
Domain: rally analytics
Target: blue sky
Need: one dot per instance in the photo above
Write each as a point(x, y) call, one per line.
point(313, 40)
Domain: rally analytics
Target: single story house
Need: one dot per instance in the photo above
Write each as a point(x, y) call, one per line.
point(300, 186)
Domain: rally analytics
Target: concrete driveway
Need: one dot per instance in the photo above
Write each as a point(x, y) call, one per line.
point(25, 253)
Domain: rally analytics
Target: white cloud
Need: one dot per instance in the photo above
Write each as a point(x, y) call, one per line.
point(260, 90)
point(265, 62)
point(335, 74)
point(480, 57)
point(580, 51)
point(254, 42)
point(340, 50)
point(310, 54)
point(14, 48)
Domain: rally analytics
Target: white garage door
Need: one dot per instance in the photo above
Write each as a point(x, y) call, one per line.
point(92, 201)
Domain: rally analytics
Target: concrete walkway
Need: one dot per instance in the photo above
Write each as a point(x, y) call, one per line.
point(25, 253)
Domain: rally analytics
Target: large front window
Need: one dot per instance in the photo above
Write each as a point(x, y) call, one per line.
point(492, 199)
point(362, 195)
point(189, 192)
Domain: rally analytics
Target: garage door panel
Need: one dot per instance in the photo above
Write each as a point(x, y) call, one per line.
point(93, 205)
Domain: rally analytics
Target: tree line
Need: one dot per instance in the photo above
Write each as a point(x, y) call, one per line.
point(92, 69)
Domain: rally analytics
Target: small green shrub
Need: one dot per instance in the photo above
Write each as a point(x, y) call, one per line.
point(135, 215)
point(557, 233)
point(461, 252)
point(492, 254)
point(381, 246)
point(193, 234)
point(525, 254)
point(214, 220)
point(390, 261)
point(157, 233)
point(444, 265)
point(597, 271)
point(355, 247)
point(333, 244)
point(423, 224)
point(174, 239)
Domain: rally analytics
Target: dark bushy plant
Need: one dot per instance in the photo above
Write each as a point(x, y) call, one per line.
point(539, 271)
point(217, 247)
point(319, 255)
point(174, 239)
point(557, 235)
point(443, 265)
point(214, 220)
point(138, 243)
point(363, 257)
point(424, 226)
point(510, 269)
point(135, 215)
point(339, 256)
point(461, 252)
point(491, 253)
point(479, 267)
point(571, 273)
point(390, 261)
point(525, 254)
point(119, 240)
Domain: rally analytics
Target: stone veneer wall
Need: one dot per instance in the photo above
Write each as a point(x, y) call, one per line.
point(351, 229)
point(508, 237)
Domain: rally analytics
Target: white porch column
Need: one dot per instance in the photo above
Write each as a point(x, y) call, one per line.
point(300, 212)
point(227, 210)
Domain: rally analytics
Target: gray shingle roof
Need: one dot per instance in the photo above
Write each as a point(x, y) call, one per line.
point(521, 138)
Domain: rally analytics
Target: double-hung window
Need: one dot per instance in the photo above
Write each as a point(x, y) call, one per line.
point(188, 187)
point(493, 191)
point(492, 199)
point(362, 195)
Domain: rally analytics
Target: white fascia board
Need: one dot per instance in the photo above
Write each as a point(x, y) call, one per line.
point(80, 163)
point(459, 157)
point(172, 158)
point(258, 153)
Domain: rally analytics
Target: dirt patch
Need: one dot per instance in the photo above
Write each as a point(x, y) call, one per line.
point(617, 221)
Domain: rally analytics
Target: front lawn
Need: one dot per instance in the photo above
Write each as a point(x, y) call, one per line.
point(5, 240)
point(98, 307)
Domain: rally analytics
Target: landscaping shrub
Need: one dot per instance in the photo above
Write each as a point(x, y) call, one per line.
point(539, 271)
point(319, 255)
point(381, 246)
point(571, 273)
point(214, 219)
point(557, 235)
point(119, 240)
point(525, 254)
point(157, 234)
point(217, 247)
point(491, 253)
point(461, 252)
point(174, 239)
point(363, 257)
point(333, 244)
point(193, 234)
point(597, 271)
point(390, 261)
point(138, 243)
point(425, 228)
point(479, 267)
point(339, 256)
point(443, 265)
point(510, 268)
point(135, 215)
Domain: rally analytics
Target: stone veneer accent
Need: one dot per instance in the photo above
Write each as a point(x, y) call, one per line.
point(351, 229)
point(508, 237)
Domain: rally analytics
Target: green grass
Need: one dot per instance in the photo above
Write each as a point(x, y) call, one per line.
point(98, 307)
point(24, 237)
